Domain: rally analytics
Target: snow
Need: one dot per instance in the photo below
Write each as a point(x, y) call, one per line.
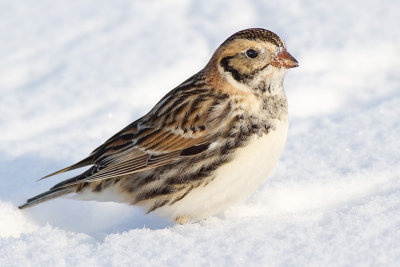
point(72, 73)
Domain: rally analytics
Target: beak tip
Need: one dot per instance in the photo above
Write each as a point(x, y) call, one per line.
point(289, 63)
point(293, 62)
point(286, 60)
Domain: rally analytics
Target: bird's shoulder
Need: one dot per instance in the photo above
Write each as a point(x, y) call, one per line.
point(186, 116)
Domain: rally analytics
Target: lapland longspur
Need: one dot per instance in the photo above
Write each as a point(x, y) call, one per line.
point(206, 145)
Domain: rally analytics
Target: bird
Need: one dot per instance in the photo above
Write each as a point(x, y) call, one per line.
point(206, 145)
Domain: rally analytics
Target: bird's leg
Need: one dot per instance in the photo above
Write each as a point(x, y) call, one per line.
point(182, 219)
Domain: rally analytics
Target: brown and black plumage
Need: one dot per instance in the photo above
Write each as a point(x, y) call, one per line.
point(208, 143)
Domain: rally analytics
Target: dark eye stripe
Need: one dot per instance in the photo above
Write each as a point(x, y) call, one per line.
point(239, 76)
point(225, 64)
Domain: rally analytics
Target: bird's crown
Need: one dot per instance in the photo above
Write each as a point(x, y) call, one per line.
point(257, 34)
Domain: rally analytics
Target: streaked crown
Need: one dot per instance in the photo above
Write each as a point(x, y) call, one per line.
point(256, 34)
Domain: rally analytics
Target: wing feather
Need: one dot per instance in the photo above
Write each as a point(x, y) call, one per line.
point(157, 139)
point(137, 158)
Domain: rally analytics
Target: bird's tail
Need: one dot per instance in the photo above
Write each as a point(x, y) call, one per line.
point(52, 193)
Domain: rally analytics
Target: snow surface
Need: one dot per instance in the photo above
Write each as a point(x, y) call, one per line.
point(72, 73)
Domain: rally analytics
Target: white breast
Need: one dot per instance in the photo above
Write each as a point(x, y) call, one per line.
point(235, 180)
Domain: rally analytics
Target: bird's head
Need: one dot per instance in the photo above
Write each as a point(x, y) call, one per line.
point(253, 59)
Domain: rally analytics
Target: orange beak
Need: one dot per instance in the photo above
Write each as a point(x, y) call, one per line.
point(285, 60)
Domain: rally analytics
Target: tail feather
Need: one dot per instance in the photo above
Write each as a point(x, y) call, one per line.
point(53, 193)
point(85, 162)
point(57, 190)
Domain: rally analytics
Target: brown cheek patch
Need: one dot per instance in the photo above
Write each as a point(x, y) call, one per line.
point(242, 65)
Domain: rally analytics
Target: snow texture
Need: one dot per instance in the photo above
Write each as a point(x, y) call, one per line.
point(72, 73)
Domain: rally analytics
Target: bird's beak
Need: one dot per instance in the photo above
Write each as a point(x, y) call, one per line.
point(284, 59)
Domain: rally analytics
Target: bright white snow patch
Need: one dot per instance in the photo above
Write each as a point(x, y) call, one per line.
point(13, 222)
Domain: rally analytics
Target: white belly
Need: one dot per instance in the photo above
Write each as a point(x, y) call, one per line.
point(236, 180)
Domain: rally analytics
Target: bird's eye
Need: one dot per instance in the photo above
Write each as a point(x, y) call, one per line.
point(251, 53)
